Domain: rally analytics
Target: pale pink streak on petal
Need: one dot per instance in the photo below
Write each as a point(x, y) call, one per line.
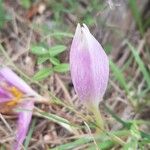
point(24, 120)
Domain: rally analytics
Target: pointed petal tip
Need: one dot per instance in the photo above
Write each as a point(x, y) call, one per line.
point(78, 25)
point(85, 26)
point(77, 36)
point(78, 30)
point(86, 31)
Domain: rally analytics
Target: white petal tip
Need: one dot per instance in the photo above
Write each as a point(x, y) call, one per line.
point(85, 26)
point(78, 28)
point(78, 31)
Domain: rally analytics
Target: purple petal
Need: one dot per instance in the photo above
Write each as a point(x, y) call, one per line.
point(23, 123)
point(100, 63)
point(4, 96)
point(15, 80)
point(89, 66)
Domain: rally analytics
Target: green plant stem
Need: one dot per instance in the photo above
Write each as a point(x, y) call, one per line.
point(98, 118)
point(100, 124)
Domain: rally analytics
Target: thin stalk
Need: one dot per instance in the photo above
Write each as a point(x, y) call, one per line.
point(98, 118)
point(101, 127)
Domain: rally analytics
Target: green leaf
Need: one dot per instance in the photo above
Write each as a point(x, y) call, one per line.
point(25, 3)
point(38, 50)
point(54, 61)
point(42, 74)
point(61, 68)
point(140, 63)
point(42, 59)
point(55, 50)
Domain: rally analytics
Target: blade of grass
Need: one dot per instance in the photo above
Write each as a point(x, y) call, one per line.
point(74, 144)
point(89, 139)
point(124, 123)
point(137, 15)
point(28, 138)
point(140, 63)
point(57, 119)
point(102, 145)
point(119, 76)
point(90, 133)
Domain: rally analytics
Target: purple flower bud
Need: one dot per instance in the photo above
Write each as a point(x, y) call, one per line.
point(89, 66)
point(14, 92)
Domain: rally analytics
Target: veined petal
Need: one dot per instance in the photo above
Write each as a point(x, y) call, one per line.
point(23, 123)
point(4, 96)
point(99, 63)
point(15, 80)
point(82, 79)
point(89, 66)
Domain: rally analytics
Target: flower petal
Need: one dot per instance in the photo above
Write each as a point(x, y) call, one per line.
point(99, 62)
point(89, 66)
point(23, 123)
point(15, 80)
point(4, 96)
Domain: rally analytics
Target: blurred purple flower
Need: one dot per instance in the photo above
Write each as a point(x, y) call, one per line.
point(89, 66)
point(14, 92)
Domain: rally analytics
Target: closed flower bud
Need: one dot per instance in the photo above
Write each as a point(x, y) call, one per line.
point(89, 66)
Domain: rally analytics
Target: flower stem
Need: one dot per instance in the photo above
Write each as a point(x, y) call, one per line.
point(98, 118)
